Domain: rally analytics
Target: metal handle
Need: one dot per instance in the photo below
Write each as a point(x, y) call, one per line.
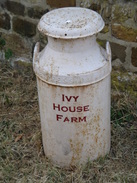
point(108, 51)
point(36, 53)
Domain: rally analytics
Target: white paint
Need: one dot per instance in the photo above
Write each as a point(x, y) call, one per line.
point(73, 77)
point(84, 22)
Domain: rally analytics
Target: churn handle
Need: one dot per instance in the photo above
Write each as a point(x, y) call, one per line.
point(36, 52)
point(108, 51)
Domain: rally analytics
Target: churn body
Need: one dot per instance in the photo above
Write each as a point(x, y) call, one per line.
point(73, 79)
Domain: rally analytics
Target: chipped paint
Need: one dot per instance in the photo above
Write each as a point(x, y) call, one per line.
point(73, 79)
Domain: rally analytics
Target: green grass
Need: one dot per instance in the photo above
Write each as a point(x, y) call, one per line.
point(8, 52)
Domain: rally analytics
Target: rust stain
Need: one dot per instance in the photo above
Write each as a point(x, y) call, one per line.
point(76, 148)
point(84, 132)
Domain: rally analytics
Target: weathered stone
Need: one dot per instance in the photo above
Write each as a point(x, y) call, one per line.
point(117, 64)
point(95, 7)
point(134, 57)
point(118, 51)
point(22, 65)
point(124, 33)
point(106, 13)
point(105, 29)
point(16, 8)
point(135, 16)
point(43, 39)
point(62, 3)
point(110, 1)
point(24, 27)
point(34, 2)
point(121, 12)
point(19, 46)
point(102, 43)
point(4, 21)
point(2, 3)
point(36, 12)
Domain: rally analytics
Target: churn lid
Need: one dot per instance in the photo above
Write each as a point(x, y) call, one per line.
point(72, 22)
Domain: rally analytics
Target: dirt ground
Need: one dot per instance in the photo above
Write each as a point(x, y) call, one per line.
point(21, 153)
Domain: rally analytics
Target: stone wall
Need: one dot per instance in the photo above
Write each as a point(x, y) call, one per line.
point(19, 18)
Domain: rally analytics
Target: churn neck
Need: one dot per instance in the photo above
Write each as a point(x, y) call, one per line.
point(72, 45)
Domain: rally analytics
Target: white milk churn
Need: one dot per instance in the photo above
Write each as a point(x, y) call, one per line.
point(73, 79)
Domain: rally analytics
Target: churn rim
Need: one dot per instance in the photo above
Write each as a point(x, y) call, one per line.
point(71, 23)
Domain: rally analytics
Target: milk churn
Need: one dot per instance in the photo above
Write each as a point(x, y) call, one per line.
point(73, 80)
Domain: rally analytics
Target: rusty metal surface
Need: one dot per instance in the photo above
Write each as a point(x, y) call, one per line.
point(72, 62)
point(75, 122)
point(73, 78)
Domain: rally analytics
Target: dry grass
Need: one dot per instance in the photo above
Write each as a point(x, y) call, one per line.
point(21, 153)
